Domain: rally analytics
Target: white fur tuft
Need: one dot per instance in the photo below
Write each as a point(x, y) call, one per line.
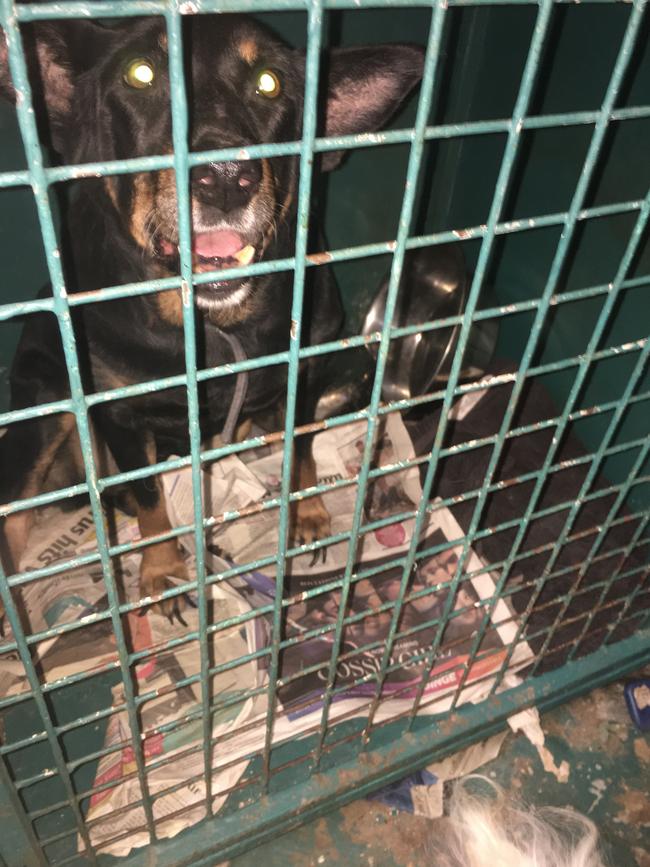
point(231, 300)
point(486, 831)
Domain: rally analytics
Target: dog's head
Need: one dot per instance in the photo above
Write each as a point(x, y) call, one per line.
point(105, 94)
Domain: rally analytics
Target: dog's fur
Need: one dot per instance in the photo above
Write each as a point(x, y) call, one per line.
point(123, 229)
point(484, 831)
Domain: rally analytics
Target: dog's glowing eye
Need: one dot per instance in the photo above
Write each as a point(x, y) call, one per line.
point(139, 73)
point(268, 84)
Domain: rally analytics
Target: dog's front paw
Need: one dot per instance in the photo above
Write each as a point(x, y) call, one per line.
point(310, 522)
point(159, 562)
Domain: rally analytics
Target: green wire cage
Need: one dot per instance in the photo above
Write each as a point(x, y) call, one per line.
point(527, 145)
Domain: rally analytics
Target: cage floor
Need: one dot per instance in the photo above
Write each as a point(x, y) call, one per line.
point(608, 780)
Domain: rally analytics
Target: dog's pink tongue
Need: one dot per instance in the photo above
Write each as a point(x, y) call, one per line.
point(219, 244)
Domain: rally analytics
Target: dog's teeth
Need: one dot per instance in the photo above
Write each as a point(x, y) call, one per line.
point(245, 255)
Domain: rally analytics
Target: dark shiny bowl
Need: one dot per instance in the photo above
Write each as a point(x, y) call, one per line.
point(433, 286)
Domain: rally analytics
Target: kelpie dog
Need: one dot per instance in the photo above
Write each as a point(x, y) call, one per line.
point(102, 93)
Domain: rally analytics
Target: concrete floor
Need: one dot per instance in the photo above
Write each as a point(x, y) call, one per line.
point(609, 780)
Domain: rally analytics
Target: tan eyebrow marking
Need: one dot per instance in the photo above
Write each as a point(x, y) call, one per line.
point(248, 51)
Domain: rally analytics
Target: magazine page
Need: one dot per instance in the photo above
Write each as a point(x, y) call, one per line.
point(310, 617)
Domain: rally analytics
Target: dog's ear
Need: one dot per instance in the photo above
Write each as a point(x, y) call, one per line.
point(364, 87)
point(57, 53)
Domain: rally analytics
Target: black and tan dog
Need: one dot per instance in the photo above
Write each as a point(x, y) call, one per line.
point(102, 93)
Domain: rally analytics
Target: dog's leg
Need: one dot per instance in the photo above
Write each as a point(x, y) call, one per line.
point(243, 430)
point(162, 560)
point(27, 452)
point(323, 317)
point(310, 518)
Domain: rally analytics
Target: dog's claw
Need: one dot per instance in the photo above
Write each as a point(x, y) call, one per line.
point(318, 554)
point(311, 522)
point(176, 613)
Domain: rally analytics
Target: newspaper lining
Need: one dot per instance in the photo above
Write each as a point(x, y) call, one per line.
point(234, 484)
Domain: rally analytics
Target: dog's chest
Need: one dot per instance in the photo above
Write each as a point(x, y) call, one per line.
point(164, 411)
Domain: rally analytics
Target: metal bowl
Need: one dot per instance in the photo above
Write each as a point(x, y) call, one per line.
point(433, 286)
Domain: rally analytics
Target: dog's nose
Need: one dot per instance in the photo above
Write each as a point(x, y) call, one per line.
point(227, 186)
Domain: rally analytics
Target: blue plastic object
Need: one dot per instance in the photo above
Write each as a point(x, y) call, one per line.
point(637, 696)
point(398, 795)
